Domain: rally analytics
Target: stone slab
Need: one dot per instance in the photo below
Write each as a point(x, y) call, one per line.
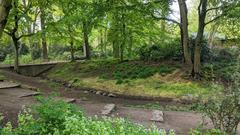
point(30, 94)
point(67, 100)
point(157, 116)
point(8, 85)
point(107, 109)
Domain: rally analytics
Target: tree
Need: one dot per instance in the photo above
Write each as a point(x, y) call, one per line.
point(16, 20)
point(221, 8)
point(5, 7)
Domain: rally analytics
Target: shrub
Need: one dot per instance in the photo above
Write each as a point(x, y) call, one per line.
point(223, 109)
point(59, 118)
point(171, 50)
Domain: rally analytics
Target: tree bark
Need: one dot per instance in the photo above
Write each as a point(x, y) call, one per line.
point(184, 32)
point(72, 51)
point(86, 41)
point(16, 47)
point(5, 7)
point(44, 41)
point(201, 25)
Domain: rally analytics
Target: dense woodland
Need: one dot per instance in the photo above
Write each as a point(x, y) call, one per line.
point(192, 46)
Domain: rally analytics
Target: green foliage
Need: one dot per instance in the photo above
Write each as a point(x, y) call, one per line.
point(208, 132)
point(222, 66)
point(59, 118)
point(164, 51)
point(223, 109)
point(135, 70)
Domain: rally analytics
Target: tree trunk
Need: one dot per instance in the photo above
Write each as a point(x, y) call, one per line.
point(86, 41)
point(72, 51)
point(5, 7)
point(16, 47)
point(184, 32)
point(115, 49)
point(44, 42)
point(124, 38)
point(201, 25)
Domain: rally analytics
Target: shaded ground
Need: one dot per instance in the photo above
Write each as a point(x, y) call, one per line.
point(11, 104)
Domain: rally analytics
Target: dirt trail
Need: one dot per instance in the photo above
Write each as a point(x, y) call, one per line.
point(181, 122)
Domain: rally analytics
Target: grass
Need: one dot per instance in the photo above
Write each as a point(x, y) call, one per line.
point(158, 106)
point(133, 78)
point(2, 77)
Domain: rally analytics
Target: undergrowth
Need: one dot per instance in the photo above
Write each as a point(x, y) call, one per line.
point(59, 118)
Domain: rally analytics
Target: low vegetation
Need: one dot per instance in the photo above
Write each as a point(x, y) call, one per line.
point(59, 118)
point(132, 78)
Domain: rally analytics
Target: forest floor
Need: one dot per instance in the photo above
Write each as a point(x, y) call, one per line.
point(180, 121)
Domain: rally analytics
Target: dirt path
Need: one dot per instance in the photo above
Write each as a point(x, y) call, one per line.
point(181, 122)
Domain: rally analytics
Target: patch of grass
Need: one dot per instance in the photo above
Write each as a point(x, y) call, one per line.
point(53, 85)
point(2, 77)
point(129, 78)
point(158, 106)
point(135, 70)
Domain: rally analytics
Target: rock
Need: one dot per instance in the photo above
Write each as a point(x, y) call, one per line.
point(108, 109)
point(157, 116)
point(104, 94)
point(67, 100)
point(86, 92)
point(111, 95)
point(98, 92)
point(8, 85)
point(30, 94)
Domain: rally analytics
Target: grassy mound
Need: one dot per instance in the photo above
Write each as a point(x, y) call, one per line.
point(133, 78)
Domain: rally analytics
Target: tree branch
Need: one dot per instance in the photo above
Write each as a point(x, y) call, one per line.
point(167, 19)
point(8, 33)
point(27, 35)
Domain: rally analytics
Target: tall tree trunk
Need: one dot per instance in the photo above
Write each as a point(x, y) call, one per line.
point(16, 47)
point(86, 41)
point(72, 51)
point(123, 36)
point(201, 25)
point(44, 41)
point(184, 32)
point(5, 7)
point(115, 49)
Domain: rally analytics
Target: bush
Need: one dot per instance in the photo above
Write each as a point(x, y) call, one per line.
point(171, 50)
point(59, 118)
point(223, 109)
point(207, 54)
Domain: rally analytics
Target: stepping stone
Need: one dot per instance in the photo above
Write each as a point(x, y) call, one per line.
point(108, 109)
point(8, 85)
point(30, 94)
point(67, 100)
point(157, 116)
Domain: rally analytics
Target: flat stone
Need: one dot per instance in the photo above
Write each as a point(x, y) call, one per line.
point(98, 92)
point(104, 94)
point(111, 95)
point(30, 94)
point(8, 85)
point(108, 109)
point(67, 100)
point(86, 92)
point(157, 116)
